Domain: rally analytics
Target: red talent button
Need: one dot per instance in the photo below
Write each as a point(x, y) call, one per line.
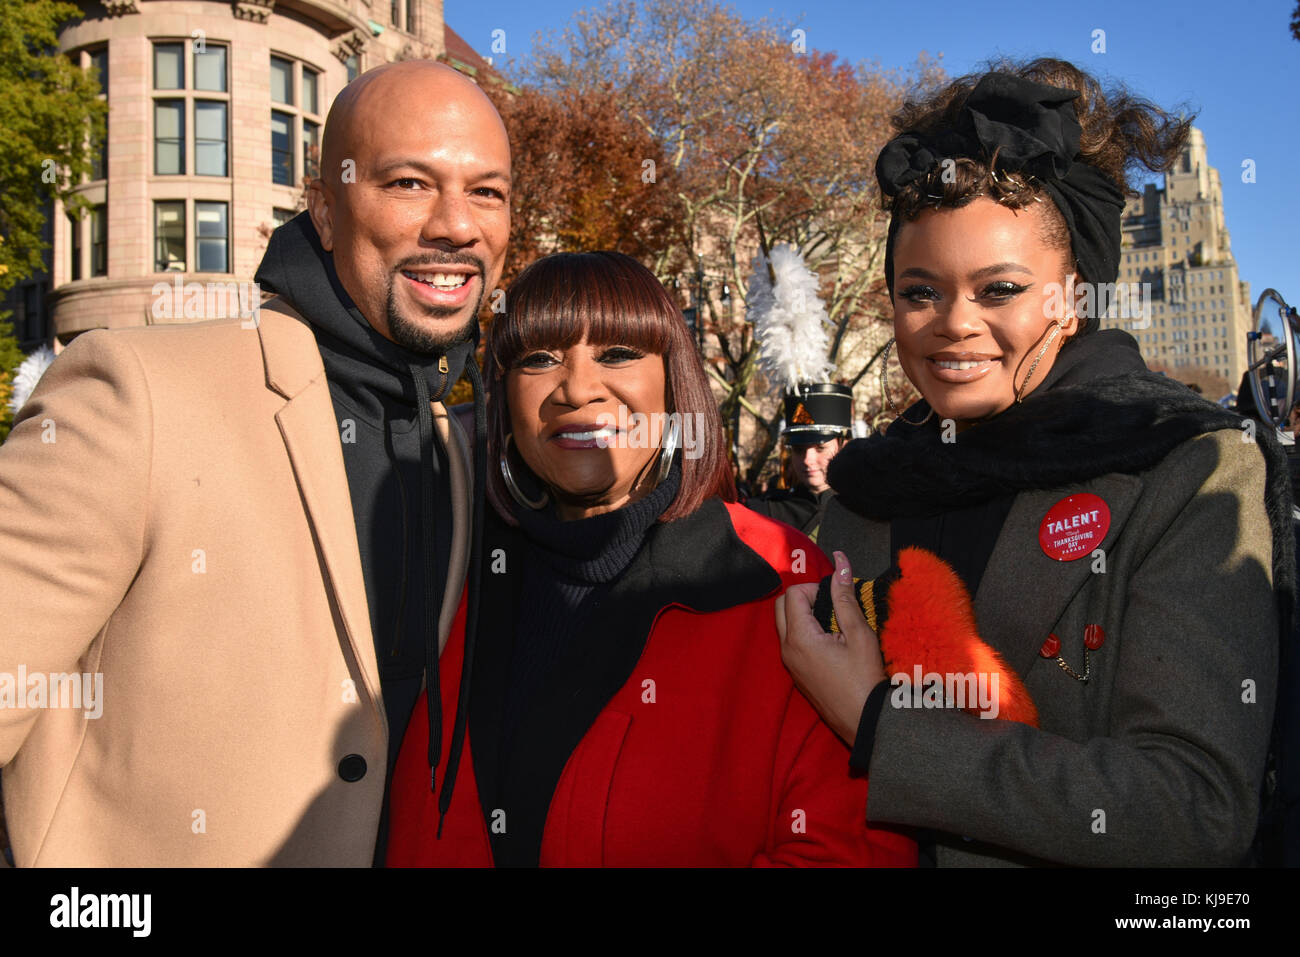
point(1093, 636)
point(1074, 527)
point(1051, 647)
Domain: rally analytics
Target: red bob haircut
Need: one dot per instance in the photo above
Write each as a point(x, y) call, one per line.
point(610, 299)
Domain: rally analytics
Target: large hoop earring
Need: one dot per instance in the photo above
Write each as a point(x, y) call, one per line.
point(515, 492)
point(884, 388)
point(672, 441)
point(1052, 333)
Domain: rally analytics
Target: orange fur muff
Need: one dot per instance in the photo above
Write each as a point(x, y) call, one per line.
point(931, 623)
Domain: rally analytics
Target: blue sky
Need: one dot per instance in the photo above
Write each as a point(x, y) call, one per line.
point(1233, 63)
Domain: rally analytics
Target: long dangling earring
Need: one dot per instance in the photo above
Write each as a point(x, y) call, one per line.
point(884, 376)
point(884, 387)
point(514, 489)
point(1052, 333)
point(672, 440)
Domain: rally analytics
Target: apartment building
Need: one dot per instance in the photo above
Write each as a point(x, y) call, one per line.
point(1176, 240)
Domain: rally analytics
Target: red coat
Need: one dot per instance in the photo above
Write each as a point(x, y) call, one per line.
point(697, 750)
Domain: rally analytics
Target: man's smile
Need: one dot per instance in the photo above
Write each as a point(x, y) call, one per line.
point(445, 286)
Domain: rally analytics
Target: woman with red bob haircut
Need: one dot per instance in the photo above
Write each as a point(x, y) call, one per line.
point(622, 701)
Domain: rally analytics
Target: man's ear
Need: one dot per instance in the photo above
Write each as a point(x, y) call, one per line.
point(320, 204)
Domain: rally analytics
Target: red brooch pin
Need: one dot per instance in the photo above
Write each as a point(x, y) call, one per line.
point(1094, 636)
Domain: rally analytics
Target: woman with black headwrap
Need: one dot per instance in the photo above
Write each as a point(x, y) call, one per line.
point(1127, 543)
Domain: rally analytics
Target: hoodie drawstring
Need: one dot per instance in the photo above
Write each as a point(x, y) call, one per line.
point(434, 567)
point(475, 580)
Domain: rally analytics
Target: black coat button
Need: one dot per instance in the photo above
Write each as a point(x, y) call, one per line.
point(352, 768)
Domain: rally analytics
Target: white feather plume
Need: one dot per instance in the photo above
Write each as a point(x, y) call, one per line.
point(28, 374)
point(790, 322)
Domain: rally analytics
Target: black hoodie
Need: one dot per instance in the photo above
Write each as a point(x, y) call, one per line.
point(394, 467)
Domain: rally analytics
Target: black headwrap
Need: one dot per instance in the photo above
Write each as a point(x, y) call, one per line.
point(1033, 129)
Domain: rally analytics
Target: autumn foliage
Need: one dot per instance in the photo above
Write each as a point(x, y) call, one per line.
point(676, 131)
point(584, 178)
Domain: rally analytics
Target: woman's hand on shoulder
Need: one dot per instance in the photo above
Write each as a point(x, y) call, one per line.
point(836, 671)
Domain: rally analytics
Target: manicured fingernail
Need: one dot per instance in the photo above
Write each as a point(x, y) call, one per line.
point(842, 570)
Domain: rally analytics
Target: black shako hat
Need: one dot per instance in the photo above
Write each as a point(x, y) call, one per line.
point(817, 412)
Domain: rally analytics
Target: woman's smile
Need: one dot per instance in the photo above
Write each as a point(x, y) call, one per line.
point(961, 367)
point(590, 435)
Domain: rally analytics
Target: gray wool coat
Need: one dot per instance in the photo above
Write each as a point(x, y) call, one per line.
point(1157, 759)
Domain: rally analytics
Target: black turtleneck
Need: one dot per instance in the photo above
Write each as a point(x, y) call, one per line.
point(394, 467)
point(568, 568)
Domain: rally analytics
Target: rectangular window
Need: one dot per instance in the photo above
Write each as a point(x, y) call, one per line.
point(282, 216)
point(208, 135)
point(310, 91)
point(209, 138)
point(354, 67)
point(99, 241)
point(281, 148)
point(169, 66)
point(169, 236)
point(395, 13)
point(210, 228)
point(99, 66)
point(310, 149)
point(281, 81)
point(99, 162)
point(74, 245)
point(33, 311)
point(210, 68)
point(169, 137)
point(295, 133)
point(99, 63)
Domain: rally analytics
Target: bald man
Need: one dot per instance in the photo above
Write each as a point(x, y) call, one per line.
point(231, 550)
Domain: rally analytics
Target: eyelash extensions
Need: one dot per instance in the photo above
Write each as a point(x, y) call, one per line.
point(1002, 290)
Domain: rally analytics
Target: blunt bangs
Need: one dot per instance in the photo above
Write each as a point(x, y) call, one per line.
point(605, 297)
